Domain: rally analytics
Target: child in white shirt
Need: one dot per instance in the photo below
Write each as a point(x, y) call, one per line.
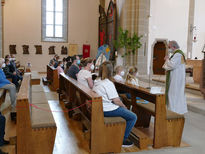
point(84, 76)
point(112, 105)
point(119, 74)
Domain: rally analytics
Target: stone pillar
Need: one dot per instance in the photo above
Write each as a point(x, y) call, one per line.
point(143, 29)
point(0, 30)
point(190, 28)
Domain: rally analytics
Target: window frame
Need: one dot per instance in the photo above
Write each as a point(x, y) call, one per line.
point(62, 39)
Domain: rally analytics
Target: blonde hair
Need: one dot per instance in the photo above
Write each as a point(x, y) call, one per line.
point(131, 73)
point(118, 69)
point(106, 70)
point(86, 61)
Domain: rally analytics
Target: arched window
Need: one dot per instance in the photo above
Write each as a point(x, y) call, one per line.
point(54, 20)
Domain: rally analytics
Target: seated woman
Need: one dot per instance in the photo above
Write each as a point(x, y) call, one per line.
point(6, 84)
point(85, 76)
point(112, 105)
point(119, 74)
point(59, 68)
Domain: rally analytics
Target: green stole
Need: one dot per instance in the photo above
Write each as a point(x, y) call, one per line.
point(168, 74)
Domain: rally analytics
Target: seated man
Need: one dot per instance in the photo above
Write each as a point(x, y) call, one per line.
point(2, 130)
point(6, 84)
point(74, 68)
point(9, 74)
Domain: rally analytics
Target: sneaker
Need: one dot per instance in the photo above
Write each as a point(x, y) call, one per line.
point(13, 116)
point(127, 144)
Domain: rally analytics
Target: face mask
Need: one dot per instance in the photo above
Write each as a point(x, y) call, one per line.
point(170, 50)
point(78, 61)
point(61, 65)
point(3, 65)
point(10, 59)
point(137, 74)
point(92, 67)
point(122, 73)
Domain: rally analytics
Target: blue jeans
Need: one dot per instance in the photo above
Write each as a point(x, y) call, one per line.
point(2, 128)
point(126, 114)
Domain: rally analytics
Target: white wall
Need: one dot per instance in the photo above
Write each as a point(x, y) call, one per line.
point(22, 25)
point(168, 20)
point(199, 22)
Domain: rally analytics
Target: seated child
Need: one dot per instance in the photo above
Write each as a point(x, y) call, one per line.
point(132, 79)
point(119, 74)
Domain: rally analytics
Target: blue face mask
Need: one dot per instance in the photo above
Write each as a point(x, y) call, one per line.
point(78, 61)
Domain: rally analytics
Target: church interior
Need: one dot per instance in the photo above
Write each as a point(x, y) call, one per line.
point(56, 114)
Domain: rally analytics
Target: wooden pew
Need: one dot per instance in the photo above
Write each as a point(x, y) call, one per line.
point(106, 133)
point(35, 78)
point(36, 129)
point(52, 77)
point(168, 125)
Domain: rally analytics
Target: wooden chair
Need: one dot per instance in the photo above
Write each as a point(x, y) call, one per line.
point(52, 78)
point(36, 129)
point(106, 134)
point(168, 126)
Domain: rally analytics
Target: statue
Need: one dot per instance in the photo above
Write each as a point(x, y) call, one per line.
point(51, 50)
point(64, 50)
point(12, 49)
point(25, 49)
point(38, 49)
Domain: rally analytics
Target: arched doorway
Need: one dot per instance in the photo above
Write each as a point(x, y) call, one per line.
point(159, 53)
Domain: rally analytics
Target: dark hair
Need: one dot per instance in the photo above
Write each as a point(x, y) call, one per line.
point(73, 58)
point(6, 60)
point(59, 62)
point(133, 70)
point(106, 70)
point(7, 56)
point(86, 61)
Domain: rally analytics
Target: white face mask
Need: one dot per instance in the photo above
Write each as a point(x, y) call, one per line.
point(137, 74)
point(61, 65)
point(122, 73)
point(10, 59)
point(92, 67)
point(3, 65)
point(170, 50)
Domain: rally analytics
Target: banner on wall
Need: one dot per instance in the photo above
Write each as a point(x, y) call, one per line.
point(86, 51)
point(73, 49)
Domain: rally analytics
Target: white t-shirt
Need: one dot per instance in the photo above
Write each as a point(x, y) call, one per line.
point(134, 82)
point(83, 76)
point(107, 90)
point(118, 78)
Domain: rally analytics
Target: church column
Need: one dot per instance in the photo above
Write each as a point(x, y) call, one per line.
point(1, 30)
point(143, 29)
point(190, 28)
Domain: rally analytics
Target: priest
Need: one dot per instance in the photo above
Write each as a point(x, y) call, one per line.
point(175, 79)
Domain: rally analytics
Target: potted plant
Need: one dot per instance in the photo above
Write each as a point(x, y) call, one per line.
point(129, 44)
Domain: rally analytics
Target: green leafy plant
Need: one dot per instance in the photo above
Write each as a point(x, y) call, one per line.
point(130, 44)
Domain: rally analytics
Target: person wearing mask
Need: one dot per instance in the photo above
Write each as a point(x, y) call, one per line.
point(6, 84)
point(59, 68)
point(175, 79)
point(74, 68)
point(53, 60)
point(84, 75)
point(112, 105)
point(9, 74)
point(119, 74)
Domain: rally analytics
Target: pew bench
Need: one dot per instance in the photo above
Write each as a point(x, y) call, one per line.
point(36, 128)
point(106, 133)
point(168, 125)
point(52, 78)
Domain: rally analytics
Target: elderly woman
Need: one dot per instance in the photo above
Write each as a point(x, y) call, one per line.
point(112, 105)
point(6, 84)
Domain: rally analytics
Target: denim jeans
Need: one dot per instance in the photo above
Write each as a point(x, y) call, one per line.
point(2, 128)
point(12, 92)
point(126, 114)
